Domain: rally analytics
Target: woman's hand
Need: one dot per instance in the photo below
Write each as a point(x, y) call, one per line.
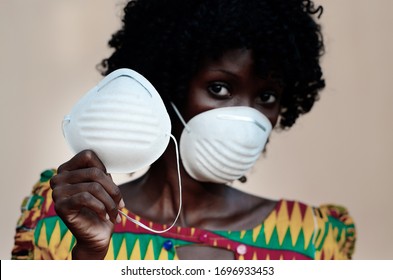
point(87, 200)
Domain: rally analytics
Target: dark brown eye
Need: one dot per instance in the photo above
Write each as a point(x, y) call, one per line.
point(267, 97)
point(220, 90)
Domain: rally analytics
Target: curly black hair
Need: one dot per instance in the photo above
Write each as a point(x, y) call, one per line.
point(166, 41)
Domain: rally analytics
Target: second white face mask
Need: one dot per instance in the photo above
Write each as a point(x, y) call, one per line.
point(221, 145)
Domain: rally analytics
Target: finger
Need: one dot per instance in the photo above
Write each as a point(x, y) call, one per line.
point(83, 175)
point(93, 188)
point(88, 175)
point(78, 202)
point(86, 158)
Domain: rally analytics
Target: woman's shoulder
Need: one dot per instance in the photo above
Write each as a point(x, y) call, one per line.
point(333, 234)
point(40, 233)
point(336, 232)
point(323, 232)
point(31, 213)
point(38, 200)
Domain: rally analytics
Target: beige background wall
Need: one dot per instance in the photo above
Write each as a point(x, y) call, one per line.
point(341, 152)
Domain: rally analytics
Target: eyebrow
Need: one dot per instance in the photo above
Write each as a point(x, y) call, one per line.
point(222, 71)
point(278, 81)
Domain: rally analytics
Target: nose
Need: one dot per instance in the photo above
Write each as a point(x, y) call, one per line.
point(243, 100)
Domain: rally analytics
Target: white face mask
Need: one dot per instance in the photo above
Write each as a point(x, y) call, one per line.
point(221, 145)
point(123, 120)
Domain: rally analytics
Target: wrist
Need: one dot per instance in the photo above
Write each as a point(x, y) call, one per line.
point(80, 252)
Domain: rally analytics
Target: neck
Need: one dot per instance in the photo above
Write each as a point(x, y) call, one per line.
point(160, 190)
point(155, 197)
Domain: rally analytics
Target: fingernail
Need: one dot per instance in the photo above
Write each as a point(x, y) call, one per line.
point(107, 217)
point(122, 204)
point(118, 218)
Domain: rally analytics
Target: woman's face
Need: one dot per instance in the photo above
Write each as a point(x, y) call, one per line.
point(231, 81)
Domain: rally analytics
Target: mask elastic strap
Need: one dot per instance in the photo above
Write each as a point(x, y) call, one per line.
point(180, 198)
point(180, 117)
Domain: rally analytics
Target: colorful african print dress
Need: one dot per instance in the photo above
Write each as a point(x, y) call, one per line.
point(293, 230)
